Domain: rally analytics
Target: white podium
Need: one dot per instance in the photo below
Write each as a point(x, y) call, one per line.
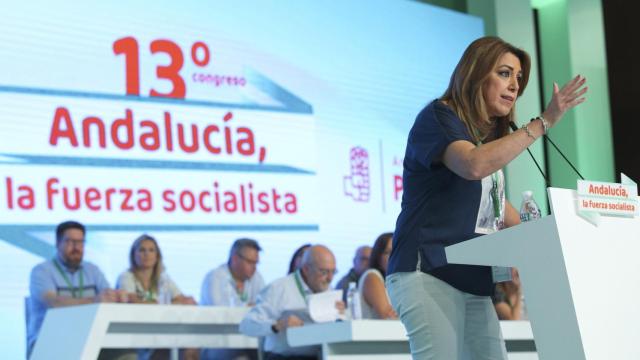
point(581, 282)
point(79, 332)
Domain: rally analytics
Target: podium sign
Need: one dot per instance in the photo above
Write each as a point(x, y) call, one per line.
point(608, 198)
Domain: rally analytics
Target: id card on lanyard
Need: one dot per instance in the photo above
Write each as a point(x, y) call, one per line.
point(68, 281)
point(242, 295)
point(499, 273)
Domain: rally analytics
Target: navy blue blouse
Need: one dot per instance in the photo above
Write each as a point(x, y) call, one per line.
point(439, 208)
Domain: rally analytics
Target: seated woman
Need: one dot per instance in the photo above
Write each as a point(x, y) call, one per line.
point(147, 282)
point(373, 294)
point(508, 300)
point(146, 279)
point(296, 259)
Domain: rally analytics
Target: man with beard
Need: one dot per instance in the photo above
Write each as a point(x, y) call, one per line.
point(65, 280)
point(283, 304)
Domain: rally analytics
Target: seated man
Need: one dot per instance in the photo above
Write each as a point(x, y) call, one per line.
point(65, 280)
point(360, 265)
point(508, 299)
point(280, 301)
point(235, 283)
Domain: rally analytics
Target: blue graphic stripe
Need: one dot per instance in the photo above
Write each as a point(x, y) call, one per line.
point(275, 91)
point(218, 227)
point(291, 103)
point(167, 227)
point(150, 164)
point(19, 235)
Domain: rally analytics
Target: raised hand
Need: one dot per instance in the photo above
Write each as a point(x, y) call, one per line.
point(564, 99)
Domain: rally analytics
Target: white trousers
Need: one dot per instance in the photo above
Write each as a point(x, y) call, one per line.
point(444, 323)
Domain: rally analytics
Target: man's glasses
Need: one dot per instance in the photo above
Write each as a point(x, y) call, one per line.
point(326, 272)
point(249, 261)
point(74, 242)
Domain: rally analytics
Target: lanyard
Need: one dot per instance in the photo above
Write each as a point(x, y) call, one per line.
point(244, 295)
point(146, 295)
point(495, 194)
point(66, 279)
point(497, 200)
point(299, 285)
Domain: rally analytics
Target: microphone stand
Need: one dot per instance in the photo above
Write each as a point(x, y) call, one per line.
point(514, 127)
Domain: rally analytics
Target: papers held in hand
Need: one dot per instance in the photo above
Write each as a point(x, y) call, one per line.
point(322, 306)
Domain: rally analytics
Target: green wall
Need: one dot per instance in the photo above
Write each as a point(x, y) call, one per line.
point(571, 43)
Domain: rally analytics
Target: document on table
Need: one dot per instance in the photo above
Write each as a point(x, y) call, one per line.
point(322, 306)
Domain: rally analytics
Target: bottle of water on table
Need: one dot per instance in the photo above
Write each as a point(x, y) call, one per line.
point(529, 210)
point(353, 302)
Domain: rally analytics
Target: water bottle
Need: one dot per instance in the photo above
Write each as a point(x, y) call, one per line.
point(529, 210)
point(353, 302)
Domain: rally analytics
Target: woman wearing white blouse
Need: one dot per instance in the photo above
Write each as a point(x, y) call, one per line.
point(374, 297)
point(146, 279)
point(147, 282)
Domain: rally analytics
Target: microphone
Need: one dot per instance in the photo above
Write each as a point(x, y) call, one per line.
point(513, 127)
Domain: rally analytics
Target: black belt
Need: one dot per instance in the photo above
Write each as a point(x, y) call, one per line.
point(275, 356)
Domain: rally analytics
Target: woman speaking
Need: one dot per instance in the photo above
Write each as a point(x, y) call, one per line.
point(454, 191)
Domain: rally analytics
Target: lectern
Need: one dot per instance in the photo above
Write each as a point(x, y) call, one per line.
point(581, 282)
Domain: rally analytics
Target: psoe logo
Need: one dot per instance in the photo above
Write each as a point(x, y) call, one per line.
point(357, 184)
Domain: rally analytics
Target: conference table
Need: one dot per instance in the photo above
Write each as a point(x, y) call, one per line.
point(79, 332)
point(387, 339)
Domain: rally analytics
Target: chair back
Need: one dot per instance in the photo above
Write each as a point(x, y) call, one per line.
point(27, 320)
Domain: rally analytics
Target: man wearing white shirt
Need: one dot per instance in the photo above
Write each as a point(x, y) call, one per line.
point(236, 283)
point(283, 304)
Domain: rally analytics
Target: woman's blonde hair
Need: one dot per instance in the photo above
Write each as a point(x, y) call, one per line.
point(465, 94)
point(158, 268)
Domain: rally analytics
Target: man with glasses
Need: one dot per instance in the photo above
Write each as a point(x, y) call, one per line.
point(65, 279)
point(283, 304)
point(236, 283)
point(360, 265)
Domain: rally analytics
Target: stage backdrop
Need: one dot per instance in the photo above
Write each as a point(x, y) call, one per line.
point(203, 122)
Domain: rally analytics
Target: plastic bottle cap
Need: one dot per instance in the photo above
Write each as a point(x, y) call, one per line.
point(527, 194)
